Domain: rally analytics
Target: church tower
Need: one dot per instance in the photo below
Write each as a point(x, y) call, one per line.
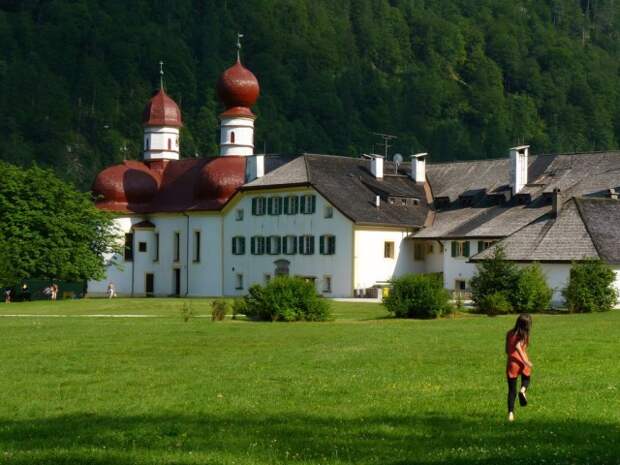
point(162, 122)
point(238, 90)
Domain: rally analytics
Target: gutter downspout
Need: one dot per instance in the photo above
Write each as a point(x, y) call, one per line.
point(133, 260)
point(186, 256)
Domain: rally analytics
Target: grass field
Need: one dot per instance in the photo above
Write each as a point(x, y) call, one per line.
point(363, 389)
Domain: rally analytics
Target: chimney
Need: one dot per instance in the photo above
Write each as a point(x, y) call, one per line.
point(377, 201)
point(613, 193)
point(376, 166)
point(255, 167)
point(518, 167)
point(557, 202)
point(418, 167)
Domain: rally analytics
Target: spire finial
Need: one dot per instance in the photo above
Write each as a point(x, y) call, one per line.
point(239, 37)
point(161, 75)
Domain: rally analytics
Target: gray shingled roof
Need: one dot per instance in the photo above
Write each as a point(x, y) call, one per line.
point(349, 185)
point(602, 220)
point(560, 239)
point(576, 175)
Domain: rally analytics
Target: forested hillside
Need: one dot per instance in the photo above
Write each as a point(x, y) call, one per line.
point(461, 79)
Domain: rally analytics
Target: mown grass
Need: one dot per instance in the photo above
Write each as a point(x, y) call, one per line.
point(363, 389)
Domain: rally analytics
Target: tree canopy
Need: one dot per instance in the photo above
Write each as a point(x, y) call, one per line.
point(460, 79)
point(49, 229)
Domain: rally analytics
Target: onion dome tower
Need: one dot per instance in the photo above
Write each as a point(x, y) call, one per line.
point(238, 90)
point(162, 121)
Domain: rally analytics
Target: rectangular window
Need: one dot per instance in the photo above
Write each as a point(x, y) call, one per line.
point(156, 252)
point(483, 245)
point(441, 248)
point(419, 251)
point(239, 282)
point(307, 204)
point(274, 205)
point(306, 245)
point(329, 211)
point(257, 245)
point(128, 255)
point(196, 246)
point(267, 278)
point(291, 204)
point(327, 244)
point(430, 248)
point(388, 249)
point(238, 245)
point(239, 215)
point(274, 244)
point(141, 246)
point(460, 249)
point(289, 245)
point(176, 247)
point(460, 285)
point(258, 206)
point(327, 284)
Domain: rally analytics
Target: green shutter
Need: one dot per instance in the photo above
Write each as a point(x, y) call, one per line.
point(242, 246)
point(295, 200)
point(480, 246)
point(300, 245)
point(322, 245)
point(279, 205)
point(268, 245)
point(311, 239)
point(253, 245)
point(312, 204)
point(466, 249)
point(332, 245)
point(278, 245)
point(254, 199)
point(302, 204)
point(453, 244)
point(270, 205)
point(234, 246)
point(286, 206)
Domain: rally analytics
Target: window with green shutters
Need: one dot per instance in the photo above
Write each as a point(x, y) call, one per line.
point(258, 206)
point(307, 204)
point(289, 245)
point(274, 205)
point(460, 248)
point(257, 245)
point(306, 245)
point(327, 244)
point(274, 245)
point(483, 245)
point(238, 245)
point(291, 205)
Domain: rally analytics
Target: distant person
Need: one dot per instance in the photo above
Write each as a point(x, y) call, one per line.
point(517, 340)
point(7, 296)
point(111, 291)
point(54, 292)
point(48, 291)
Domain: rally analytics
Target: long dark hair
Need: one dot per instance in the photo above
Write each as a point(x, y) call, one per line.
point(522, 327)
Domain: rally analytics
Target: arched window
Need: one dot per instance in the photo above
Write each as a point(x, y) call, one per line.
point(169, 144)
point(232, 137)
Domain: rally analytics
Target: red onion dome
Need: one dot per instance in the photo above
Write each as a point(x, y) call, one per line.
point(221, 177)
point(162, 111)
point(238, 87)
point(130, 182)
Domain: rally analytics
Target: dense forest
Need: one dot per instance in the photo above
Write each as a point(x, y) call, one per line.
point(461, 79)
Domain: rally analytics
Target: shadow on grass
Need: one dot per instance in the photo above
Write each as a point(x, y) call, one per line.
point(239, 437)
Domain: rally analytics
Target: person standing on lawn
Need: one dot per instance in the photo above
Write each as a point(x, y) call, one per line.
point(517, 340)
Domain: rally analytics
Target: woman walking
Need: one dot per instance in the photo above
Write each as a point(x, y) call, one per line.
point(518, 364)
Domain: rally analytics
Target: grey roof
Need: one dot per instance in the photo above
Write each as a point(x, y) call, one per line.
point(560, 239)
point(602, 220)
point(349, 185)
point(291, 172)
point(588, 174)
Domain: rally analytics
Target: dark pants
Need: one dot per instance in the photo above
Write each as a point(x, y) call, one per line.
point(512, 390)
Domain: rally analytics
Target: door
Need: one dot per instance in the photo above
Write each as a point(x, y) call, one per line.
point(150, 284)
point(177, 281)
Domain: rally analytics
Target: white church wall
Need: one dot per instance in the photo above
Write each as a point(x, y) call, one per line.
point(371, 264)
point(205, 275)
point(255, 268)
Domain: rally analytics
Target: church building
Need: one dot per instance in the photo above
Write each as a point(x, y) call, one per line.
point(214, 226)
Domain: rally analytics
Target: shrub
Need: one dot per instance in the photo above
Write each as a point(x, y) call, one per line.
point(418, 296)
point(287, 299)
point(239, 307)
point(531, 293)
point(494, 304)
point(493, 276)
point(590, 287)
point(187, 311)
point(219, 309)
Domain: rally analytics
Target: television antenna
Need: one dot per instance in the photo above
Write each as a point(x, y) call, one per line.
point(386, 141)
point(398, 159)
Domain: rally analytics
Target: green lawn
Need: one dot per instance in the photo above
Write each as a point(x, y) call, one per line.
point(363, 389)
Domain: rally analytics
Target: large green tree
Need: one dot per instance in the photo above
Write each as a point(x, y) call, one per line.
point(48, 229)
point(461, 79)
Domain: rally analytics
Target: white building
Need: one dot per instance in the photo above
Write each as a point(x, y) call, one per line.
point(215, 226)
